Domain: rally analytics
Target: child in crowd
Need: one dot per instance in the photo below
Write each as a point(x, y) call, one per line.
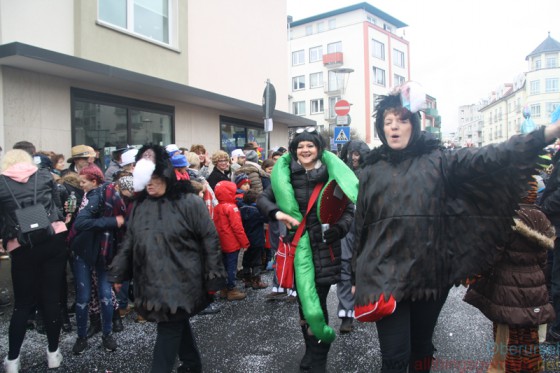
point(253, 223)
point(243, 185)
point(232, 235)
point(267, 168)
point(180, 164)
point(198, 188)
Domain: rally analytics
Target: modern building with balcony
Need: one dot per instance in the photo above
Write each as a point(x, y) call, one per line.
point(107, 73)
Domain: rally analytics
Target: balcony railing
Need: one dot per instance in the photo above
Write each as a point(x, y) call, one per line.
point(333, 59)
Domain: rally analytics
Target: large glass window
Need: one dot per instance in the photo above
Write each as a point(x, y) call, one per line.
point(316, 53)
point(234, 133)
point(551, 85)
point(316, 80)
point(298, 108)
point(149, 18)
point(108, 122)
point(398, 80)
point(334, 47)
point(378, 76)
point(298, 83)
point(535, 87)
point(317, 106)
point(298, 58)
point(551, 61)
point(536, 110)
point(398, 58)
point(378, 49)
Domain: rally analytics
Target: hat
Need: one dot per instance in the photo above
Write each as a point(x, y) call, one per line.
point(128, 157)
point(126, 183)
point(248, 146)
point(179, 160)
point(171, 148)
point(241, 179)
point(237, 153)
point(81, 151)
point(252, 156)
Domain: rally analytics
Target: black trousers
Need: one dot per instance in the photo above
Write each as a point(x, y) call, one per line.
point(36, 277)
point(405, 337)
point(175, 338)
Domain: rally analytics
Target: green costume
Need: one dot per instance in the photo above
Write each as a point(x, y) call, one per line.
point(303, 262)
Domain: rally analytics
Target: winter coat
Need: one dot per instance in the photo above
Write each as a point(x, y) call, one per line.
point(253, 224)
point(550, 200)
point(215, 177)
point(22, 184)
point(427, 218)
point(326, 258)
point(514, 292)
point(172, 249)
point(113, 168)
point(351, 147)
point(227, 218)
point(255, 173)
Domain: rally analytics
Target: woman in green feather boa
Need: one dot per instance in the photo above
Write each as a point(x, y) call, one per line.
point(317, 258)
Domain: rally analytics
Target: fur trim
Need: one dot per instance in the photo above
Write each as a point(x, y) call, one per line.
point(533, 235)
point(142, 174)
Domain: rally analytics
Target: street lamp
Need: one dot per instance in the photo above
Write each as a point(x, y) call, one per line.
point(342, 74)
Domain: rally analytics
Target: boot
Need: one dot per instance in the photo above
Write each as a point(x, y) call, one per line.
point(11, 366)
point(54, 359)
point(305, 364)
point(257, 284)
point(235, 294)
point(94, 325)
point(117, 322)
point(247, 280)
point(223, 293)
point(65, 320)
point(319, 355)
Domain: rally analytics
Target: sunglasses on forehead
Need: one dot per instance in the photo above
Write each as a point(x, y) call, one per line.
point(307, 129)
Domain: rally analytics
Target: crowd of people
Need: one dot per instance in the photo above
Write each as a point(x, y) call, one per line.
point(172, 228)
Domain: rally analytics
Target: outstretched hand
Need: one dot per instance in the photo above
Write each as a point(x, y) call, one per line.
point(287, 219)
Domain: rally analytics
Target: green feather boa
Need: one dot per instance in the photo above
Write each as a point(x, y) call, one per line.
point(303, 262)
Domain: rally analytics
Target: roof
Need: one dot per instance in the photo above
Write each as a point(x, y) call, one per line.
point(365, 6)
point(44, 61)
point(548, 45)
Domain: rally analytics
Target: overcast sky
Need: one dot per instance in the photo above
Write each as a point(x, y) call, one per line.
point(461, 50)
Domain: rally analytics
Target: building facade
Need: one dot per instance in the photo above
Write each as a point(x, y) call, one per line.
point(107, 73)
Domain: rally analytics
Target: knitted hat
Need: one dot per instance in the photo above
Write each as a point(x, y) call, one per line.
point(252, 156)
point(241, 179)
point(179, 160)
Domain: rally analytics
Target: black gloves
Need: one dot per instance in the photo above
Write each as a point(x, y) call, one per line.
point(332, 234)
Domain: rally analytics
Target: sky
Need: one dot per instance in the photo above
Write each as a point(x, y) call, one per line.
point(460, 51)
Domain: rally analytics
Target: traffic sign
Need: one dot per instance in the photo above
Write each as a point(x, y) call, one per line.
point(341, 134)
point(342, 107)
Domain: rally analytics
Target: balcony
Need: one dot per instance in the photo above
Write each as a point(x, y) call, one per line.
point(333, 59)
point(431, 112)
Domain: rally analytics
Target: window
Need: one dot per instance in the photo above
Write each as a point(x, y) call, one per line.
point(333, 100)
point(398, 58)
point(316, 54)
point(235, 133)
point(320, 26)
point(110, 122)
point(298, 58)
point(370, 19)
point(387, 27)
point(551, 106)
point(315, 80)
point(299, 108)
point(551, 61)
point(308, 30)
point(537, 64)
point(333, 81)
point(378, 76)
point(148, 18)
point(298, 83)
point(334, 47)
point(398, 80)
point(378, 49)
point(317, 106)
point(332, 23)
point(551, 85)
point(536, 110)
point(535, 87)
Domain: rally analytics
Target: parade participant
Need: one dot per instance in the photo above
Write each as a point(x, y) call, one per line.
point(37, 270)
point(295, 176)
point(426, 219)
point(180, 241)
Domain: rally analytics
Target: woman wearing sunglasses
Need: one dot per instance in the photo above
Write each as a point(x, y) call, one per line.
point(426, 219)
point(317, 258)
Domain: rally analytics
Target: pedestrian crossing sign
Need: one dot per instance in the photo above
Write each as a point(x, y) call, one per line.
point(341, 134)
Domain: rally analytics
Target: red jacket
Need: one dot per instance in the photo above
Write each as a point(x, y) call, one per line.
point(227, 218)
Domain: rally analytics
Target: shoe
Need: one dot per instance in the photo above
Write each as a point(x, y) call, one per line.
point(54, 359)
point(223, 293)
point(292, 297)
point(124, 311)
point(257, 284)
point(235, 294)
point(117, 324)
point(346, 325)
point(212, 308)
point(275, 295)
point(94, 326)
point(552, 338)
point(109, 343)
point(140, 319)
point(11, 366)
point(79, 346)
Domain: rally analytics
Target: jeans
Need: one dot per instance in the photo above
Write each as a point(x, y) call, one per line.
point(122, 296)
point(82, 276)
point(555, 287)
point(36, 279)
point(175, 338)
point(405, 337)
point(230, 262)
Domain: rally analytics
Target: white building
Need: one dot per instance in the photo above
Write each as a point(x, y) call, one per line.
point(357, 48)
point(107, 73)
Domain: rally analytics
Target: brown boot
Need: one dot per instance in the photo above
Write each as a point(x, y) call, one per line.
point(257, 284)
point(223, 293)
point(235, 294)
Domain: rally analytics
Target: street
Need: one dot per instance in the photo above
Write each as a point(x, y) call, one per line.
point(255, 335)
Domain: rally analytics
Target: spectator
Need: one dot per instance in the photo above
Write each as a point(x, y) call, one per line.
point(221, 171)
point(82, 156)
point(200, 150)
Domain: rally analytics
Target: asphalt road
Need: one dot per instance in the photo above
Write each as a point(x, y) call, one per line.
point(255, 335)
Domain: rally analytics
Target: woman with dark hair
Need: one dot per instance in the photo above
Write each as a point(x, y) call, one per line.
point(37, 270)
point(169, 231)
point(308, 167)
point(426, 219)
point(90, 229)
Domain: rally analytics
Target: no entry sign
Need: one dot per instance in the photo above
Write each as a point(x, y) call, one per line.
point(342, 107)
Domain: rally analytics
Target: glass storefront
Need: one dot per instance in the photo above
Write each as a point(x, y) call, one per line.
point(235, 133)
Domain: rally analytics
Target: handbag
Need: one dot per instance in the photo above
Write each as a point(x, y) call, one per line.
point(287, 250)
point(32, 222)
